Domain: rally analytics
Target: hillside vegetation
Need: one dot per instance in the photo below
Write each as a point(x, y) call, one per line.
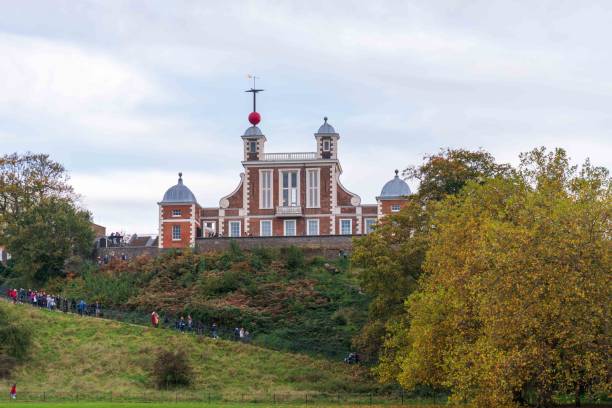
point(289, 303)
point(88, 355)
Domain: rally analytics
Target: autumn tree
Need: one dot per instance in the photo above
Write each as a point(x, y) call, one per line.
point(513, 306)
point(390, 259)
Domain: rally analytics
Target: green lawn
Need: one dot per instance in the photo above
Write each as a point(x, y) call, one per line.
point(89, 356)
point(177, 405)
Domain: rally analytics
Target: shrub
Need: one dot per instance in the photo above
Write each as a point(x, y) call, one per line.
point(172, 369)
point(235, 252)
point(294, 257)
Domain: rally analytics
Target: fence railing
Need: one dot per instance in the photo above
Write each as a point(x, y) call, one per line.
point(204, 396)
point(290, 156)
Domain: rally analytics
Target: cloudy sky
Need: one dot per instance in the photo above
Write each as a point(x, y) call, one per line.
point(127, 93)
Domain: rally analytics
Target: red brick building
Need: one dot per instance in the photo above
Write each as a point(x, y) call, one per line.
point(279, 194)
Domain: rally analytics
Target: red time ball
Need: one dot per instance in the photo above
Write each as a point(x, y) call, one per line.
point(254, 118)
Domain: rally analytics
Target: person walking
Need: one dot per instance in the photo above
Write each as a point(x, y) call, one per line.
point(213, 331)
point(14, 391)
point(189, 323)
point(154, 319)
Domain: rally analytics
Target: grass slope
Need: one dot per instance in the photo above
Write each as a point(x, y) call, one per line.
point(88, 355)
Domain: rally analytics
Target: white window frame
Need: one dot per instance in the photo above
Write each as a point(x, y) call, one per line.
point(261, 224)
point(313, 191)
point(176, 212)
point(365, 224)
point(350, 226)
point(176, 228)
point(263, 190)
point(252, 143)
point(285, 222)
point(308, 221)
point(326, 145)
point(229, 228)
point(280, 187)
point(395, 207)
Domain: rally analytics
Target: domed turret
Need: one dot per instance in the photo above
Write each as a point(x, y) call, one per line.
point(179, 193)
point(327, 141)
point(253, 131)
point(395, 188)
point(326, 128)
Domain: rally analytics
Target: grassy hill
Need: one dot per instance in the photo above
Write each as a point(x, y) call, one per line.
point(289, 303)
point(88, 355)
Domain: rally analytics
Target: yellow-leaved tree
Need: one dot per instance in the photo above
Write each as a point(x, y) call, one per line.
point(514, 303)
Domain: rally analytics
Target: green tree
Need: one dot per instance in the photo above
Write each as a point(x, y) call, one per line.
point(43, 237)
point(514, 304)
point(390, 259)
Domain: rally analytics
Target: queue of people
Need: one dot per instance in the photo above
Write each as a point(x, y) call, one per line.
point(82, 308)
point(52, 302)
point(188, 325)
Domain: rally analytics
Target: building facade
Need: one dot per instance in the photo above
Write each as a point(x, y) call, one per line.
point(279, 194)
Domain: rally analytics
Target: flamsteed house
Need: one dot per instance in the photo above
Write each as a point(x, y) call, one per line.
point(279, 194)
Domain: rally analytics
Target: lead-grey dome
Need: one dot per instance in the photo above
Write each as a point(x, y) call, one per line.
point(179, 193)
point(395, 188)
point(326, 128)
point(253, 131)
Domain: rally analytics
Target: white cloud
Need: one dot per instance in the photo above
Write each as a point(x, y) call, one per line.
point(121, 91)
point(61, 79)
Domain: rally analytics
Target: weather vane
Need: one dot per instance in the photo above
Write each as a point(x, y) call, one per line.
point(254, 117)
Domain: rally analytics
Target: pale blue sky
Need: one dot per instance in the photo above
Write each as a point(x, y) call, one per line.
point(126, 94)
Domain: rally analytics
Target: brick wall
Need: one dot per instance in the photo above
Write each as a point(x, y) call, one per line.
point(326, 246)
point(386, 204)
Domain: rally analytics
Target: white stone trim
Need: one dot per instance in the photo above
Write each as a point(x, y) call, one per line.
point(175, 220)
point(160, 242)
point(193, 226)
point(358, 221)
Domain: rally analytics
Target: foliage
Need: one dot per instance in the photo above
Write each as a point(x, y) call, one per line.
point(293, 309)
point(172, 369)
point(42, 238)
point(27, 180)
point(40, 223)
point(294, 257)
point(15, 341)
point(447, 171)
point(389, 260)
point(514, 305)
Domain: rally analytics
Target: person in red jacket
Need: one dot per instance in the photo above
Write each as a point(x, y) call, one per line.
point(154, 319)
point(14, 391)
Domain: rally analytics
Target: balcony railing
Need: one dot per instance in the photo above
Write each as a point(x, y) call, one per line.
point(290, 156)
point(292, 211)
